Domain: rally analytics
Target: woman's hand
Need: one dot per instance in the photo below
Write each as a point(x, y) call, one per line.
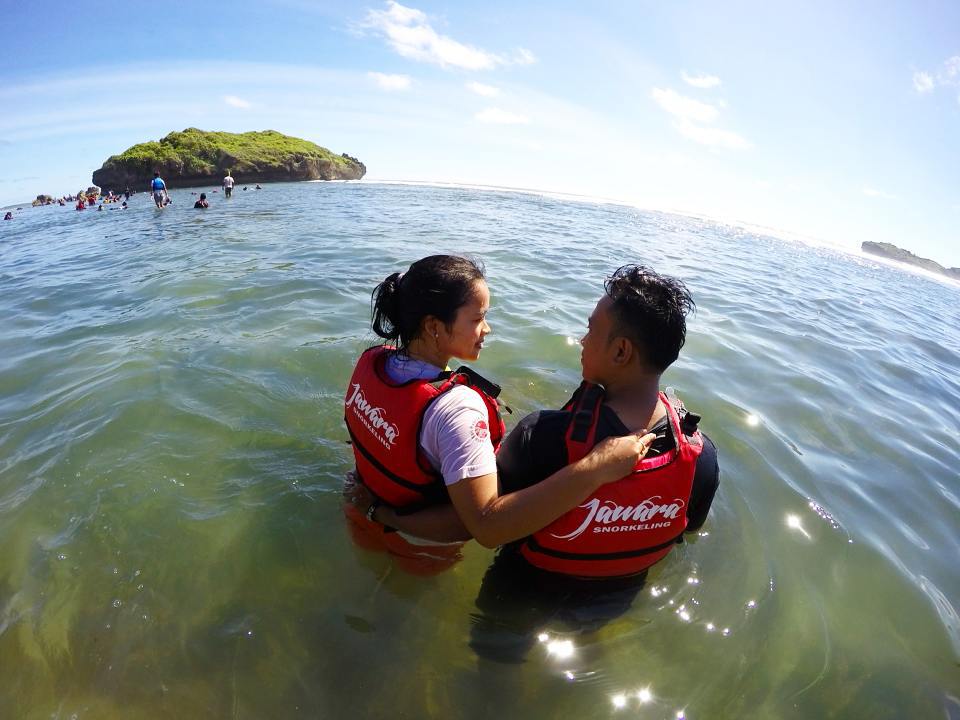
point(615, 457)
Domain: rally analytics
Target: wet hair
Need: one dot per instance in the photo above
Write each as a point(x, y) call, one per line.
point(203, 196)
point(438, 285)
point(156, 174)
point(650, 310)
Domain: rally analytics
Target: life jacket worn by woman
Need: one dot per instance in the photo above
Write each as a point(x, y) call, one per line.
point(628, 525)
point(384, 419)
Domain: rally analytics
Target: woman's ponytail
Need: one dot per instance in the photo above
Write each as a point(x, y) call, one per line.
point(385, 307)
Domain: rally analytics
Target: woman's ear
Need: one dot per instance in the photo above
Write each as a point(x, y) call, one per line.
point(430, 327)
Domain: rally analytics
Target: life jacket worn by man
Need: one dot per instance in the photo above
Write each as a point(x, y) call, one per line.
point(628, 525)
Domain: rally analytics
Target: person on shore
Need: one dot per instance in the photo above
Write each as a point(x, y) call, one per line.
point(227, 185)
point(426, 437)
point(159, 188)
point(202, 202)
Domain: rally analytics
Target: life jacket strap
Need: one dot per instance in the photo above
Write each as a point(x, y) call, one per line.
point(620, 555)
point(488, 387)
point(582, 430)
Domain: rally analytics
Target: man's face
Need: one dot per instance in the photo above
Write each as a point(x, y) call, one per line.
point(596, 343)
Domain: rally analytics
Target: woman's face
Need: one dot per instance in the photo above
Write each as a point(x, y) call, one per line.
point(464, 338)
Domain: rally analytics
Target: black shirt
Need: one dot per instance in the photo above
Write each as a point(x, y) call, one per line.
point(535, 449)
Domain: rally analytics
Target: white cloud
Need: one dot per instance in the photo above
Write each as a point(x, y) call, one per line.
point(496, 116)
point(951, 71)
point(922, 82)
point(947, 76)
point(701, 81)
point(483, 90)
point(873, 192)
point(691, 116)
point(683, 107)
point(409, 33)
point(390, 82)
point(713, 137)
point(524, 57)
point(234, 101)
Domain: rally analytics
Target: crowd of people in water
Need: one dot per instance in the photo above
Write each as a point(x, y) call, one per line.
point(92, 197)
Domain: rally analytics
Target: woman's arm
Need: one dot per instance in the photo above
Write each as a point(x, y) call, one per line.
point(478, 509)
point(494, 519)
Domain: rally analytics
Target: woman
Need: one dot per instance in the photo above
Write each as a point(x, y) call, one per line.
point(421, 433)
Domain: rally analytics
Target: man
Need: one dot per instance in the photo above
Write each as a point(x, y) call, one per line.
point(159, 188)
point(587, 567)
point(228, 185)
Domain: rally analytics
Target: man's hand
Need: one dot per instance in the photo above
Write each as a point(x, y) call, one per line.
point(357, 494)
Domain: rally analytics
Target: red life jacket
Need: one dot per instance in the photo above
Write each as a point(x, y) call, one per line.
point(627, 525)
point(384, 419)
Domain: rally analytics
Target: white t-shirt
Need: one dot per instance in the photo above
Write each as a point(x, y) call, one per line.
point(455, 434)
point(228, 182)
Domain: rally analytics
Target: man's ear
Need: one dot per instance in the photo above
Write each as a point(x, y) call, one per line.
point(622, 351)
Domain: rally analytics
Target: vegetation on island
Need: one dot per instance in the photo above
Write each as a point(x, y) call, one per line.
point(197, 157)
point(892, 252)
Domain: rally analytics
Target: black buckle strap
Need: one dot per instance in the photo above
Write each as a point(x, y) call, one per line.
point(479, 381)
point(584, 412)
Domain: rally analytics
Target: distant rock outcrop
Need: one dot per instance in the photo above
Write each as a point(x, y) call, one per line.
point(43, 200)
point(892, 252)
point(196, 157)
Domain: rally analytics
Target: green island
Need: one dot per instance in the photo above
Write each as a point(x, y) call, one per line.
point(198, 157)
point(892, 252)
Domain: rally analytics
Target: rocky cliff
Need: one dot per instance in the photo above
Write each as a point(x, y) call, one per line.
point(892, 252)
point(196, 157)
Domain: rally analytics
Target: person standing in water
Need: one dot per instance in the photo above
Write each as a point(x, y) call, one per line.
point(426, 437)
point(159, 188)
point(227, 185)
point(202, 203)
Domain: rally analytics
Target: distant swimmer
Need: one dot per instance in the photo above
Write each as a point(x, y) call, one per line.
point(245, 188)
point(8, 216)
point(159, 188)
point(202, 202)
point(227, 185)
point(258, 187)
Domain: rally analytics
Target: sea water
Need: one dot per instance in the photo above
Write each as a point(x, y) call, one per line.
point(172, 451)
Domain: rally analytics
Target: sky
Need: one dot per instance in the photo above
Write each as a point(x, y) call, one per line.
point(839, 122)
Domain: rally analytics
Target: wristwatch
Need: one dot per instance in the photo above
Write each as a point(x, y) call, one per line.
point(372, 510)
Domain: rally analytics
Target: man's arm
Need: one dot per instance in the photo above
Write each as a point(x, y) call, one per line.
point(706, 480)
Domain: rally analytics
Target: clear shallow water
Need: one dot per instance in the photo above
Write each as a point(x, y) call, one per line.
point(172, 450)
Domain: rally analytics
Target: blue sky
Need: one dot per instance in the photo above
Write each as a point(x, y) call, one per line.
point(837, 121)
